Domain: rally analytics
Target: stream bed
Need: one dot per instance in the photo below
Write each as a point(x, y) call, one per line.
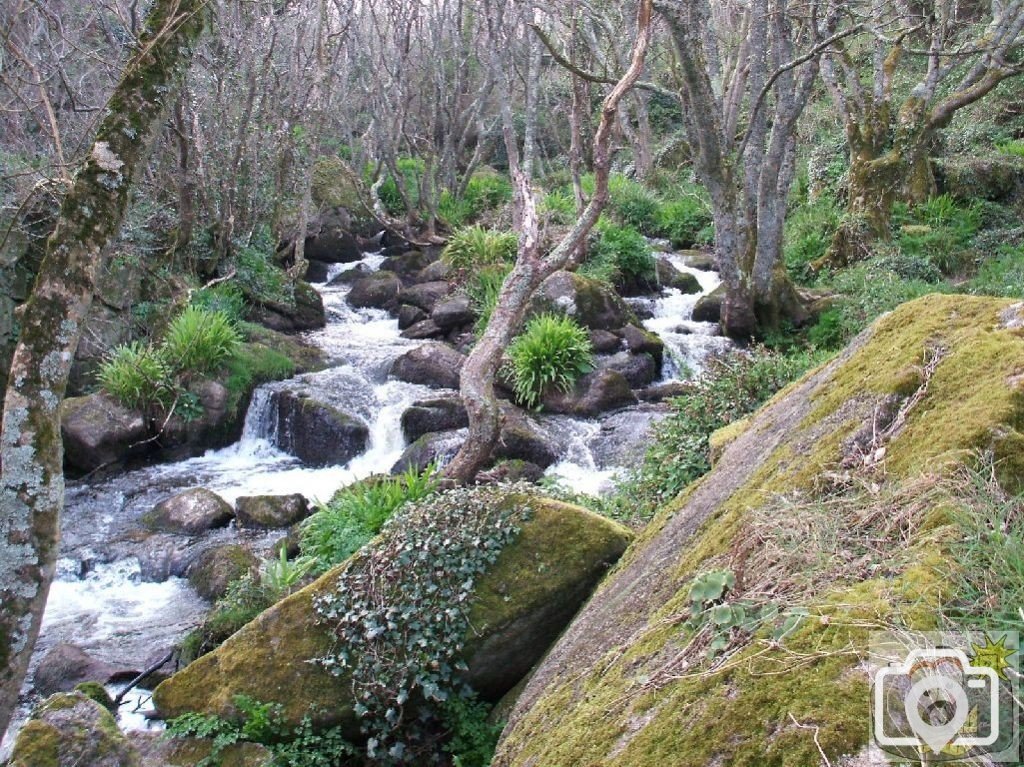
point(127, 607)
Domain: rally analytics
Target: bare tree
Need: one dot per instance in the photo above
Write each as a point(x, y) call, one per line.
point(746, 71)
point(532, 265)
point(889, 135)
point(31, 453)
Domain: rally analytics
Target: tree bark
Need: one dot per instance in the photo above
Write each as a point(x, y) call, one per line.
point(31, 453)
point(532, 268)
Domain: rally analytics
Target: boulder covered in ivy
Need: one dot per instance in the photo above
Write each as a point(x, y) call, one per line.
point(469, 586)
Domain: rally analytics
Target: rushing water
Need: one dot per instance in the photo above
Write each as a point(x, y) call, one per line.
point(123, 601)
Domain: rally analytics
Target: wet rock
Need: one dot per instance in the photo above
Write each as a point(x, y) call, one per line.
point(661, 392)
point(433, 364)
point(68, 665)
point(304, 312)
point(409, 315)
point(434, 448)
point(516, 609)
point(438, 271)
point(190, 513)
point(333, 244)
point(408, 264)
point(638, 369)
point(425, 416)
point(98, 431)
point(604, 341)
point(709, 307)
point(349, 276)
point(205, 431)
point(69, 730)
point(698, 259)
point(592, 304)
point(670, 277)
point(316, 433)
point(163, 556)
point(376, 290)
point(453, 312)
point(521, 440)
point(217, 567)
point(640, 341)
point(422, 331)
point(316, 271)
point(425, 295)
point(594, 393)
point(271, 511)
point(624, 436)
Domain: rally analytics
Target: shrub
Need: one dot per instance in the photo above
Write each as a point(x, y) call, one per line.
point(552, 352)
point(257, 275)
point(473, 247)
point(560, 207)
point(199, 341)
point(634, 204)
point(1002, 275)
point(226, 298)
point(624, 255)
point(483, 289)
point(486, 190)
point(731, 386)
point(808, 234)
point(356, 513)
point(138, 376)
point(454, 211)
point(939, 230)
point(410, 170)
point(685, 220)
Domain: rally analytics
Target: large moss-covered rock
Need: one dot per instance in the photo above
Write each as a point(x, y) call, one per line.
point(98, 431)
point(833, 499)
point(592, 304)
point(517, 608)
point(71, 730)
point(159, 751)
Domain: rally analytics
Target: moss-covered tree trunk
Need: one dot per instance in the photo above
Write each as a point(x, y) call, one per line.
point(31, 453)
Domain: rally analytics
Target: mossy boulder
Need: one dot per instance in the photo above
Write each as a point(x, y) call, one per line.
point(592, 304)
point(158, 751)
point(317, 433)
point(217, 567)
point(305, 311)
point(671, 277)
point(433, 364)
point(597, 392)
point(271, 511)
point(376, 290)
point(66, 666)
point(70, 730)
point(833, 503)
point(709, 307)
point(517, 609)
point(997, 177)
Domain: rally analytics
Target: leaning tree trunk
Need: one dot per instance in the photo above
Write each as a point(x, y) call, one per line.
point(531, 269)
point(31, 453)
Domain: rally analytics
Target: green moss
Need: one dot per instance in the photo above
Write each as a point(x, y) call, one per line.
point(38, 745)
point(97, 692)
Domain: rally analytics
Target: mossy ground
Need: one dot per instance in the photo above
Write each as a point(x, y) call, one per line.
point(875, 432)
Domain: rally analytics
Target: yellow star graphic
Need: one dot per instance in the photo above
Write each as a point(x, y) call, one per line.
point(993, 655)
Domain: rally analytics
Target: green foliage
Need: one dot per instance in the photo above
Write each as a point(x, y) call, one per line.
point(138, 376)
point(1013, 147)
point(808, 233)
point(988, 581)
point(356, 514)
point(475, 247)
point(560, 207)
point(280, 576)
point(1002, 275)
point(225, 298)
point(483, 289)
point(254, 364)
point(686, 219)
point(454, 211)
point(260, 279)
point(262, 723)
point(199, 341)
point(410, 170)
point(634, 204)
point(244, 599)
point(552, 352)
point(732, 386)
point(400, 618)
point(939, 230)
point(486, 190)
point(472, 737)
point(620, 256)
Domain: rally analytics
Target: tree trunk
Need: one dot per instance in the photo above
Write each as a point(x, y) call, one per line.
point(476, 383)
point(31, 453)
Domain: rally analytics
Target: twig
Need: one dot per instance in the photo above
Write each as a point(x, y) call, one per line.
point(135, 682)
point(816, 741)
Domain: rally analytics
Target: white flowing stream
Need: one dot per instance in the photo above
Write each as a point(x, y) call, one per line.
point(124, 610)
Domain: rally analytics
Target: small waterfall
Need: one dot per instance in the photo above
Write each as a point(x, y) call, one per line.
point(261, 417)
